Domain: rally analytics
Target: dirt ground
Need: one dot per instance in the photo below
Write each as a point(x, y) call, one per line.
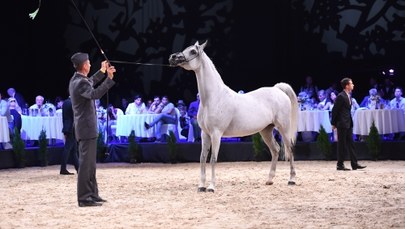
point(155, 195)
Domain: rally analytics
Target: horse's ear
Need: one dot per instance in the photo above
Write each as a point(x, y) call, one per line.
point(196, 43)
point(203, 45)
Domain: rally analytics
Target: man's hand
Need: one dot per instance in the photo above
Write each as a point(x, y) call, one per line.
point(110, 71)
point(333, 127)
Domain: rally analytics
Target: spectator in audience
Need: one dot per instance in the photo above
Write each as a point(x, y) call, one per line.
point(387, 90)
point(310, 89)
point(398, 102)
point(355, 106)
point(183, 119)
point(331, 101)
point(101, 116)
point(12, 102)
point(136, 107)
point(70, 147)
point(322, 100)
point(12, 93)
point(373, 100)
point(5, 112)
point(192, 113)
point(112, 116)
point(166, 116)
point(58, 105)
point(38, 106)
point(153, 108)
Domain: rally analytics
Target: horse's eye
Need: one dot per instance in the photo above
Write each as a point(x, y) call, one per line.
point(193, 52)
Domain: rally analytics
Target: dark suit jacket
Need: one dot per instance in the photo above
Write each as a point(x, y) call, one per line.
point(67, 116)
point(83, 95)
point(341, 115)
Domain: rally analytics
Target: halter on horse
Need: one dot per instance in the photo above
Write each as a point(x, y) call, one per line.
point(223, 112)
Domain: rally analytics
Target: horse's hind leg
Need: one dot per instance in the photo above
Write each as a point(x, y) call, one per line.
point(205, 148)
point(289, 155)
point(268, 138)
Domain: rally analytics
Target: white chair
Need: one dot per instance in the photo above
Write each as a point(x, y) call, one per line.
point(166, 128)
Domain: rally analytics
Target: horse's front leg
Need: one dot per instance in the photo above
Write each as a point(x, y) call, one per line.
point(205, 148)
point(215, 143)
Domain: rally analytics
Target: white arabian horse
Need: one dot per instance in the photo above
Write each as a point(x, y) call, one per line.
point(223, 112)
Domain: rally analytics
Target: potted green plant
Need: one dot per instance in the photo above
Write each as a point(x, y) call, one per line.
point(258, 147)
point(101, 147)
point(324, 144)
point(373, 141)
point(43, 148)
point(133, 149)
point(172, 144)
point(18, 149)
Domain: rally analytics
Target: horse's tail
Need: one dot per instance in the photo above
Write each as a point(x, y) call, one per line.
point(292, 131)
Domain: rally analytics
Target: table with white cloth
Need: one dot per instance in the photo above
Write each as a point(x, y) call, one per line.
point(311, 120)
point(4, 130)
point(387, 121)
point(127, 123)
point(33, 125)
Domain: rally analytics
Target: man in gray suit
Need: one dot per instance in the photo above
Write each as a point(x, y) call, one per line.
point(83, 94)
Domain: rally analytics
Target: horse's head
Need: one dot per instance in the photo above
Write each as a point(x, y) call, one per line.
point(188, 58)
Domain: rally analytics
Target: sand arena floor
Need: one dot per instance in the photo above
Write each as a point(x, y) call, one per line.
point(165, 196)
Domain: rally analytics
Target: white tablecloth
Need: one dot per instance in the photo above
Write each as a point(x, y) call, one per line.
point(387, 121)
point(127, 123)
point(311, 120)
point(32, 126)
point(4, 131)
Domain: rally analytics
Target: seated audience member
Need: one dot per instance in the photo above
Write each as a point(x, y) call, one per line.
point(183, 119)
point(373, 100)
point(398, 102)
point(322, 100)
point(101, 116)
point(332, 97)
point(38, 106)
point(153, 108)
point(387, 89)
point(15, 113)
point(192, 113)
point(355, 106)
point(12, 93)
point(167, 115)
point(112, 116)
point(136, 107)
point(58, 103)
point(5, 112)
point(310, 89)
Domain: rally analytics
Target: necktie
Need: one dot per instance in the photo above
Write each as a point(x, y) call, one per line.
point(397, 104)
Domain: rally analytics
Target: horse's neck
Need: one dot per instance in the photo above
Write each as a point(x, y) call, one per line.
point(209, 82)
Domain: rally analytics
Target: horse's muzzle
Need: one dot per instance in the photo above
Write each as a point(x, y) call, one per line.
point(176, 59)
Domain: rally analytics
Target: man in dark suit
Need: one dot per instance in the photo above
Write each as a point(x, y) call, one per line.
point(342, 120)
point(83, 94)
point(70, 147)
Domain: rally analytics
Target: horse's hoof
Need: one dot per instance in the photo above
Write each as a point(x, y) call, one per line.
point(202, 189)
point(210, 190)
point(291, 183)
point(269, 182)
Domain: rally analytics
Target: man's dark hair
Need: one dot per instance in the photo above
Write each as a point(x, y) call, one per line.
point(345, 81)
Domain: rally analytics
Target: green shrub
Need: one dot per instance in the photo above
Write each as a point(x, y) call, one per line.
point(324, 144)
point(18, 149)
point(373, 142)
point(43, 148)
point(172, 144)
point(133, 149)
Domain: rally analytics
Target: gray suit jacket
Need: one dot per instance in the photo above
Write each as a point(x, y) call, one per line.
point(83, 95)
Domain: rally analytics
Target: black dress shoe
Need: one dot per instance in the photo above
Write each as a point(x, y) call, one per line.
point(98, 199)
point(343, 168)
point(89, 203)
point(358, 167)
point(66, 173)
